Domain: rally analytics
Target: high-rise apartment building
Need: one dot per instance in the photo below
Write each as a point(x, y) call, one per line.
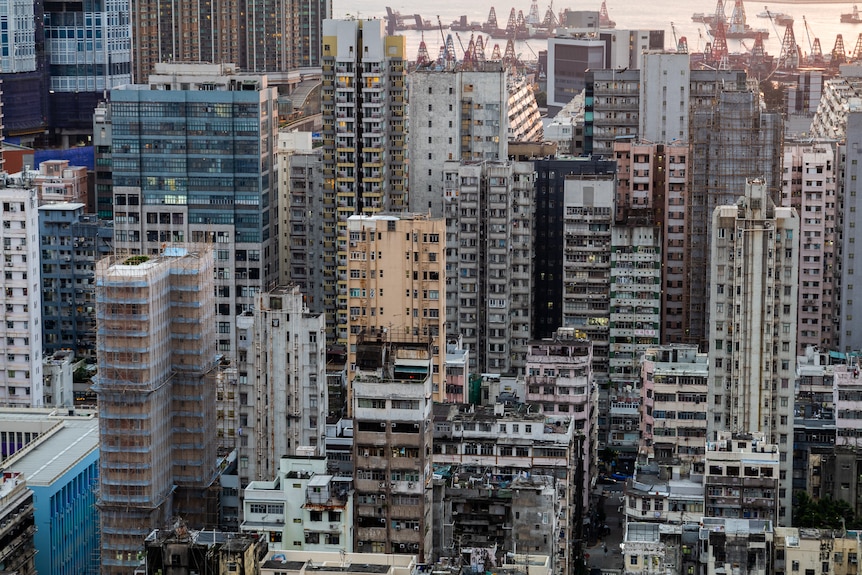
point(456, 115)
point(268, 36)
point(24, 69)
point(156, 390)
point(396, 356)
point(810, 186)
point(307, 20)
point(281, 384)
point(665, 96)
point(588, 214)
point(489, 254)
point(192, 156)
point(364, 142)
point(89, 51)
point(396, 280)
point(754, 264)
point(636, 259)
point(21, 332)
point(552, 176)
point(653, 186)
point(635, 324)
point(300, 189)
point(58, 60)
point(71, 243)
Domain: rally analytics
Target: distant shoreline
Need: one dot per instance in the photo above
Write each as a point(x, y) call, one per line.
point(800, 2)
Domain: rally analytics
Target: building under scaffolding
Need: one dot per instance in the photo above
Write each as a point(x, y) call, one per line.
point(156, 349)
point(734, 141)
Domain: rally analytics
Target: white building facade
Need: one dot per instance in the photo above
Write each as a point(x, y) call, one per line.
point(754, 266)
point(21, 380)
point(302, 508)
point(454, 115)
point(282, 389)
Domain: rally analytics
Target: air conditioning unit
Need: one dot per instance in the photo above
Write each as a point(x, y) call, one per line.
point(415, 426)
point(383, 497)
point(354, 318)
point(361, 543)
point(416, 545)
point(410, 485)
point(402, 546)
point(393, 425)
point(416, 528)
point(382, 424)
point(382, 485)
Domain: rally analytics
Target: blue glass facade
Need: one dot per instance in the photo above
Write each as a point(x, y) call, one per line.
point(67, 536)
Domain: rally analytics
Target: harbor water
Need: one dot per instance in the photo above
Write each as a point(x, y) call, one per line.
point(824, 21)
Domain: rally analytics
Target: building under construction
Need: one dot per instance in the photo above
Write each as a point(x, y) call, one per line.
point(156, 349)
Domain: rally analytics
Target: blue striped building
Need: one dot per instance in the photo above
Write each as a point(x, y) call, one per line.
point(61, 468)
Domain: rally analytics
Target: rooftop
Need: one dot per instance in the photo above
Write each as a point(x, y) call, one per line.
point(49, 457)
point(672, 488)
point(642, 532)
point(207, 538)
point(63, 206)
point(498, 412)
point(737, 526)
point(334, 562)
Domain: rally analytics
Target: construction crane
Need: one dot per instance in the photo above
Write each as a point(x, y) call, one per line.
point(808, 34)
point(700, 40)
point(460, 42)
point(773, 22)
point(440, 25)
